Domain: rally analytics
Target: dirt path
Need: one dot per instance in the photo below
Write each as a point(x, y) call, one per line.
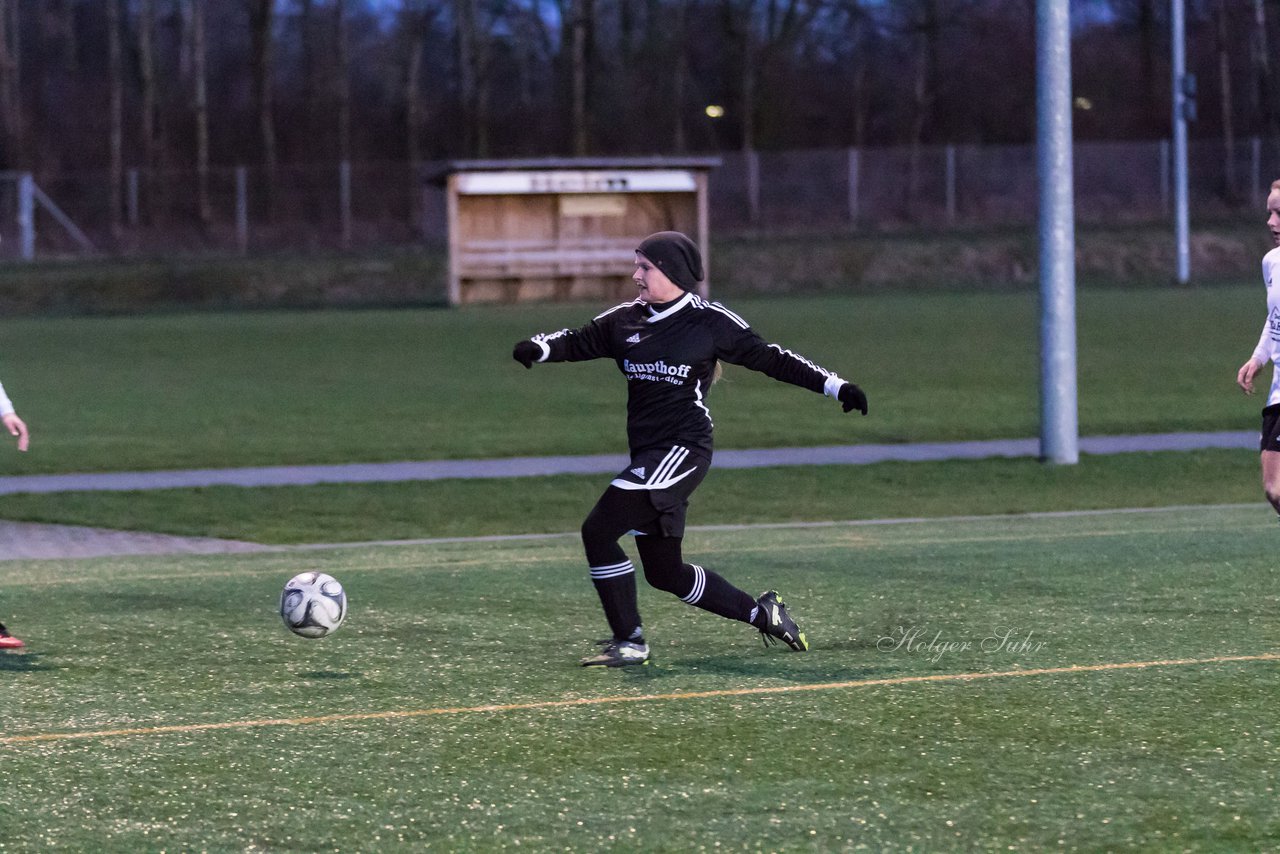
point(28, 540)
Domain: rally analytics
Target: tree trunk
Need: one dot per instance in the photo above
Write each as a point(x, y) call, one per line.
point(1230, 184)
point(413, 117)
point(747, 87)
point(581, 59)
point(343, 82)
point(261, 17)
point(115, 100)
point(10, 103)
point(147, 78)
point(924, 93)
point(1264, 90)
point(66, 23)
point(468, 77)
point(307, 74)
point(680, 76)
point(1153, 85)
point(858, 80)
point(200, 98)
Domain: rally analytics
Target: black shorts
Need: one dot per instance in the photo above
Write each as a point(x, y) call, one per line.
point(669, 476)
point(1271, 428)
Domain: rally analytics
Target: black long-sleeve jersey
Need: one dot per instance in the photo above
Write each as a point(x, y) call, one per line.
point(668, 355)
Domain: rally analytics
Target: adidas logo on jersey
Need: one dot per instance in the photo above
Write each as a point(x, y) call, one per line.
point(638, 471)
point(634, 339)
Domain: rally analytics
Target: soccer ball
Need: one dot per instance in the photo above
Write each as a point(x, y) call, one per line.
point(313, 604)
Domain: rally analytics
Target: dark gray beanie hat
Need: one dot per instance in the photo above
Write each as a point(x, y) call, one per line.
point(675, 255)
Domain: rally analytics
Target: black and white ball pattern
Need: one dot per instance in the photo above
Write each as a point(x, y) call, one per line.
point(313, 604)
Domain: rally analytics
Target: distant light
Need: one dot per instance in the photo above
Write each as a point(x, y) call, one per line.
point(715, 111)
point(1084, 104)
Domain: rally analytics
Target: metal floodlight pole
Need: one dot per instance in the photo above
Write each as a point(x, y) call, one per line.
point(1183, 104)
point(1059, 430)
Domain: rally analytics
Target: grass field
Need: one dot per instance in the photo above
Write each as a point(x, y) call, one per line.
point(272, 388)
point(1068, 682)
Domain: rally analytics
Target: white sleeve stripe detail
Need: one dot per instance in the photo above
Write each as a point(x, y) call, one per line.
point(831, 388)
point(546, 351)
point(616, 308)
point(6, 405)
point(715, 306)
point(802, 360)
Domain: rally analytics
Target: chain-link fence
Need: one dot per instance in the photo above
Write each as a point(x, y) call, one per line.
point(354, 206)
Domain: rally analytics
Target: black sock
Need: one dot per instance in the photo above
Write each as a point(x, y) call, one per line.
point(616, 586)
point(711, 592)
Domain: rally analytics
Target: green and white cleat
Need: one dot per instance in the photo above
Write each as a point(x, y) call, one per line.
point(775, 624)
point(619, 654)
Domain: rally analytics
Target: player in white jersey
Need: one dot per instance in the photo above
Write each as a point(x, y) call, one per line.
point(1268, 350)
point(668, 343)
point(17, 428)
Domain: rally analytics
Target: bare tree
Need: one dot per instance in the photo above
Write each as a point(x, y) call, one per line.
point(262, 62)
point(200, 106)
point(581, 30)
point(415, 20)
point(342, 79)
point(473, 58)
point(307, 73)
point(1227, 111)
point(921, 26)
point(115, 83)
point(680, 75)
point(533, 44)
point(764, 32)
point(147, 129)
point(1264, 88)
point(413, 112)
point(10, 78)
point(61, 18)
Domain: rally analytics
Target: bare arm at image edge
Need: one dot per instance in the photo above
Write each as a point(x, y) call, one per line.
point(12, 422)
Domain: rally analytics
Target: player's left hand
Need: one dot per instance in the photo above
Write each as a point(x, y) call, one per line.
point(852, 397)
point(1244, 376)
point(16, 427)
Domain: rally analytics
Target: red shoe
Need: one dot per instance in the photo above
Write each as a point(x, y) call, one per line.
point(8, 641)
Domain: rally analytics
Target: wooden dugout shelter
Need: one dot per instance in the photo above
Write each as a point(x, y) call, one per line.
point(561, 229)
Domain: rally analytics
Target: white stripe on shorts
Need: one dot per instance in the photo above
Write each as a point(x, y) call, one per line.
point(662, 476)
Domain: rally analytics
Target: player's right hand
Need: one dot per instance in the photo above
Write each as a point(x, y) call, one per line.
point(852, 397)
point(1244, 376)
point(526, 353)
point(16, 427)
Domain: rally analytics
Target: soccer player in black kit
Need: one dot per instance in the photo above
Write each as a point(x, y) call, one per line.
point(667, 342)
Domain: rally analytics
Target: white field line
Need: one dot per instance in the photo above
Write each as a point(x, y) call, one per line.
point(764, 526)
point(737, 548)
point(643, 698)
